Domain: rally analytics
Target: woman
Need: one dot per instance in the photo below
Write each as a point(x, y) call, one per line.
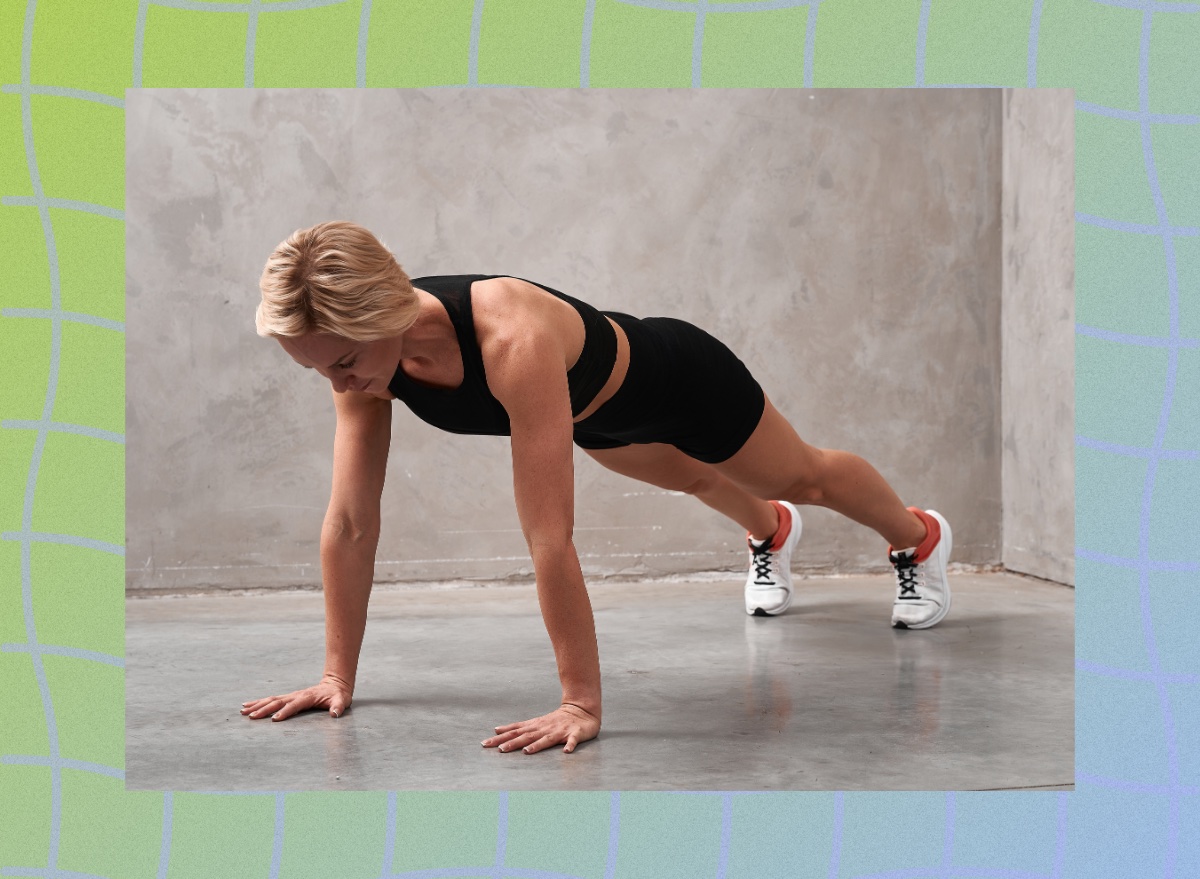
point(655, 399)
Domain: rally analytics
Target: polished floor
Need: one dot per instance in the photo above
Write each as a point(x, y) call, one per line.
point(697, 695)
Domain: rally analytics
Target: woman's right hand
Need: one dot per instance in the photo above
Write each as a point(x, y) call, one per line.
point(331, 693)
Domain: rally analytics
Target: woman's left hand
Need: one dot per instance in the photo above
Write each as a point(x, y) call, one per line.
point(568, 723)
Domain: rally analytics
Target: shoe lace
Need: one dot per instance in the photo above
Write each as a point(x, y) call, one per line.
point(762, 559)
point(908, 572)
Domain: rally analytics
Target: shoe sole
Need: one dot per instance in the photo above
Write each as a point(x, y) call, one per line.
point(790, 546)
point(760, 612)
point(948, 536)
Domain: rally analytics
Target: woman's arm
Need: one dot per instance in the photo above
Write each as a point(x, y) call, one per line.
point(526, 374)
point(350, 533)
point(349, 537)
point(543, 486)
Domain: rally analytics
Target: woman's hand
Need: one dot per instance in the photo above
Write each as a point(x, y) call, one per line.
point(331, 693)
point(569, 723)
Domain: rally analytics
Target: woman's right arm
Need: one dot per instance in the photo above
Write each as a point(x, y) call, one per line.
point(349, 537)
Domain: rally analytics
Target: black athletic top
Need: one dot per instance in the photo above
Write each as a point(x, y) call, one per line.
point(471, 408)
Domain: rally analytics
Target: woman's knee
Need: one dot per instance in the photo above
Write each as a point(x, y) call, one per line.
point(681, 472)
point(809, 485)
point(700, 484)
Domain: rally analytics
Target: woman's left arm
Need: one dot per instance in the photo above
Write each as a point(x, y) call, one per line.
point(527, 375)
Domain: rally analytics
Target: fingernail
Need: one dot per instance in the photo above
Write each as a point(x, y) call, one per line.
point(526, 750)
point(504, 747)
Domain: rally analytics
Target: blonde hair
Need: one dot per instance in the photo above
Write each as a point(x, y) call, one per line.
point(335, 278)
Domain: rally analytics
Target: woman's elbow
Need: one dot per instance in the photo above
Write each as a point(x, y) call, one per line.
point(551, 545)
point(343, 528)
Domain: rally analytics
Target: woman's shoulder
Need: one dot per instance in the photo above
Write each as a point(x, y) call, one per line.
point(508, 310)
point(509, 300)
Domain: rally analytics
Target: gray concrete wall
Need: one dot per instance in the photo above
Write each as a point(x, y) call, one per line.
point(1038, 333)
point(846, 244)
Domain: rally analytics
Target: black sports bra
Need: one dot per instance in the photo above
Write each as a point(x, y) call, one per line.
point(471, 408)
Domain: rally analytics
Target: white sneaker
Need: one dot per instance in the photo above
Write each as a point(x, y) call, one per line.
point(922, 590)
point(769, 583)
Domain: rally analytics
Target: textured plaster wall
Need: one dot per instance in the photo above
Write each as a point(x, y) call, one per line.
point(1038, 334)
point(846, 244)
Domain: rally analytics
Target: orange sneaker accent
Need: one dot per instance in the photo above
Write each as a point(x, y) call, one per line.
point(782, 531)
point(785, 526)
point(933, 534)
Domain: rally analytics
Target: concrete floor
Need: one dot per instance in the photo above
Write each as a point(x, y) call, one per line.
point(698, 696)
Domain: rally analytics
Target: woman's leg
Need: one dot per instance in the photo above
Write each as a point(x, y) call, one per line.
point(667, 467)
point(776, 463)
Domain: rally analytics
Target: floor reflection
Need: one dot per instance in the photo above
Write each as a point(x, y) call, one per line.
point(343, 756)
point(916, 704)
point(769, 679)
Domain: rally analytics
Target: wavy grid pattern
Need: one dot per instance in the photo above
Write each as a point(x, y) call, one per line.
point(63, 807)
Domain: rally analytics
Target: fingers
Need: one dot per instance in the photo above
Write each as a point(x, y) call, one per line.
point(523, 741)
point(279, 707)
point(262, 707)
point(297, 704)
point(562, 726)
point(530, 739)
point(541, 744)
point(514, 730)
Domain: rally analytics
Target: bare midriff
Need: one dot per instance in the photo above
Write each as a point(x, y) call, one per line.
point(615, 378)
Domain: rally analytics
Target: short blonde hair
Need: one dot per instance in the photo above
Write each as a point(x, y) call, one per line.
point(335, 278)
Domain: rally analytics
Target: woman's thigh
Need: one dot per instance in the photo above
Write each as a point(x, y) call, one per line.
point(774, 462)
point(657, 464)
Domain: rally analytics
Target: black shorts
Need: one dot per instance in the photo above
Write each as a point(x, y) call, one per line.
point(683, 387)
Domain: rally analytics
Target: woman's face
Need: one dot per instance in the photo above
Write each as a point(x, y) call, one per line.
point(350, 366)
